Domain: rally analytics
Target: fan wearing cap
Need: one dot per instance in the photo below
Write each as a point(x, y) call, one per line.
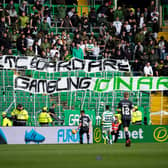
point(6, 121)
point(19, 116)
point(44, 117)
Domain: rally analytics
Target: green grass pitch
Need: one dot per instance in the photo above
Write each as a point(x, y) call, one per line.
point(144, 155)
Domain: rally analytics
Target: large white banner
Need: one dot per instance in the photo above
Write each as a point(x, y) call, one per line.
point(44, 65)
point(66, 84)
point(44, 135)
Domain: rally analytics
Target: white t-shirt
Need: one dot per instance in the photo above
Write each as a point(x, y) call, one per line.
point(53, 51)
point(148, 70)
point(141, 22)
point(83, 48)
point(117, 25)
point(29, 42)
point(96, 51)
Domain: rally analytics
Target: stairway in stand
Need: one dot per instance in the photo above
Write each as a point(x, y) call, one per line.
point(159, 109)
point(82, 9)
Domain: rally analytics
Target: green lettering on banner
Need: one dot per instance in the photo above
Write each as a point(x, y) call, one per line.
point(120, 80)
point(162, 81)
point(100, 83)
point(145, 81)
point(72, 117)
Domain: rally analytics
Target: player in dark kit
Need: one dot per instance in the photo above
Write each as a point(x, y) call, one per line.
point(125, 106)
point(84, 126)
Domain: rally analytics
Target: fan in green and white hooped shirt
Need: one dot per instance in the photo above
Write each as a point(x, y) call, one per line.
point(107, 119)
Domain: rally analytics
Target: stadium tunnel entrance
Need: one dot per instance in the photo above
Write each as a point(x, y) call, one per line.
point(134, 3)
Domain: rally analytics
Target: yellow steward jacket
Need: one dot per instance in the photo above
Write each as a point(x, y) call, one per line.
point(138, 115)
point(133, 117)
point(119, 117)
point(6, 122)
point(20, 115)
point(44, 117)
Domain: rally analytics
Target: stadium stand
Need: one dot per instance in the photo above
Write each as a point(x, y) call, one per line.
point(45, 26)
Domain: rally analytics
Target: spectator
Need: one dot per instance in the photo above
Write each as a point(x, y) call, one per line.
point(165, 67)
point(162, 47)
point(96, 51)
point(44, 118)
point(36, 48)
point(136, 68)
point(23, 8)
point(71, 12)
point(84, 36)
point(53, 52)
point(75, 20)
point(146, 15)
point(160, 67)
point(2, 26)
point(153, 57)
point(29, 51)
point(141, 21)
point(13, 15)
point(2, 50)
point(155, 28)
point(85, 26)
point(45, 27)
point(22, 44)
point(110, 43)
point(35, 20)
point(148, 71)
point(92, 17)
point(103, 9)
point(118, 13)
point(24, 20)
point(45, 44)
point(155, 68)
point(77, 52)
point(117, 24)
point(19, 116)
point(128, 51)
point(110, 15)
point(66, 23)
point(102, 19)
point(53, 115)
point(89, 48)
point(155, 14)
point(77, 38)
point(61, 12)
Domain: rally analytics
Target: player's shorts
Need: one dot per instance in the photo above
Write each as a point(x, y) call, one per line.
point(126, 122)
point(84, 130)
point(106, 129)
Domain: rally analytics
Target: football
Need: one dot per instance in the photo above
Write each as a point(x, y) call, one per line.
point(74, 131)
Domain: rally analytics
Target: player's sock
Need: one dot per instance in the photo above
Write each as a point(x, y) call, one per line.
point(105, 137)
point(88, 138)
point(110, 138)
point(126, 135)
point(81, 139)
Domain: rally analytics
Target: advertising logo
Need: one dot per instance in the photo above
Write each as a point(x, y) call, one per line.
point(97, 135)
point(160, 134)
point(33, 136)
point(66, 136)
point(134, 134)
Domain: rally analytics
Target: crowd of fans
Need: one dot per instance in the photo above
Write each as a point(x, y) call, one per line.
point(122, 33)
